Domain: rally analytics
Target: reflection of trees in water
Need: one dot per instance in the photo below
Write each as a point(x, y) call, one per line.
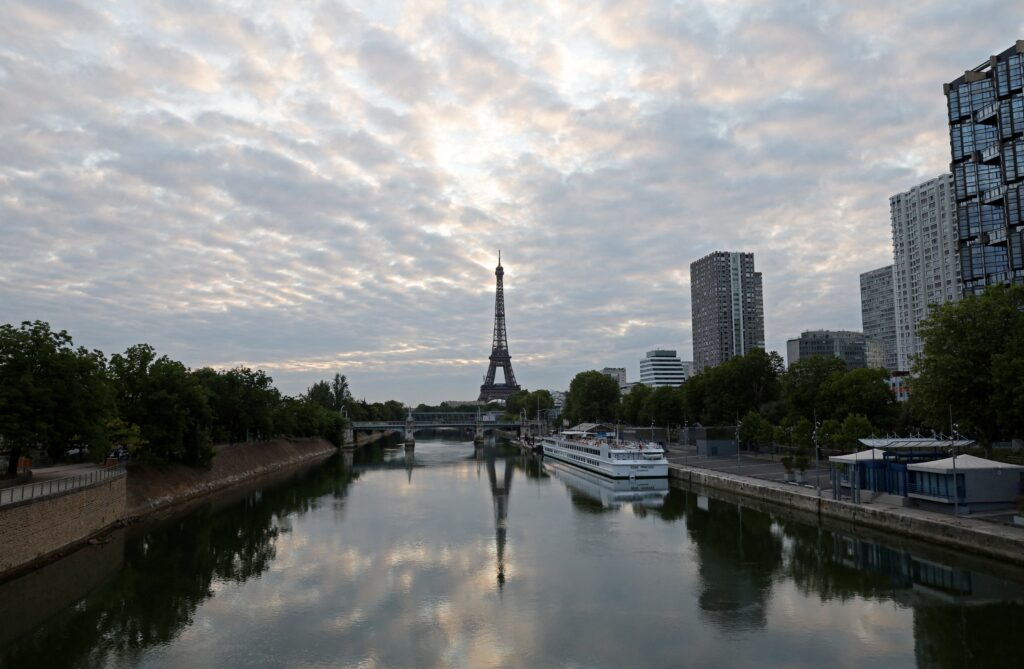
point(168, 572)
point(959, 620)
point(822, 563)
point(739, 556)
point(968, 636)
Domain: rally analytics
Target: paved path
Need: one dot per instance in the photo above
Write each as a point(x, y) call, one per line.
point(49, 481)
point(757, 466)
point(773, 474)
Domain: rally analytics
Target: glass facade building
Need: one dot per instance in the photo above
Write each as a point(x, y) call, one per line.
point(986, 132)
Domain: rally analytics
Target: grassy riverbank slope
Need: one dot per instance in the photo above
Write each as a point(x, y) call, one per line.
point(152, 487)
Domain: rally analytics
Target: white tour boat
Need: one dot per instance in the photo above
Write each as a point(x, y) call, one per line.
point(609, 457)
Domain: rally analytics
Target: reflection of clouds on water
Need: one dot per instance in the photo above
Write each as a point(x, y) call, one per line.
point(406, 577)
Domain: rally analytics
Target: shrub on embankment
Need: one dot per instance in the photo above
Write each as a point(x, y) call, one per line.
point(56, 399)
point(151, 485)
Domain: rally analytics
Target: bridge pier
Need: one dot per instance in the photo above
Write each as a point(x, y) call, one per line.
point(348, 438)
point(410, 425)
point(478, 437)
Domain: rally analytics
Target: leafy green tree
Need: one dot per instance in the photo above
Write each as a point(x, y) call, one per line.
point(853, 428)
point(632, 407)
point(717, 396)
point(828, 432)
point(52, 396)
point(862, 391)
point(339, 391)
point(664, 406)
point(177, 417)
point(320, 393)
point(803, 386)
point(129, 373)
point(592, 396)
point(802, 434)
point(971, 365)
point(751, 428)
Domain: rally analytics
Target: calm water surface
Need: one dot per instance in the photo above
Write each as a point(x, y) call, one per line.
point(456, 557)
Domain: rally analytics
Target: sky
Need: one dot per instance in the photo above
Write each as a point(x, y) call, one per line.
point(323, 187)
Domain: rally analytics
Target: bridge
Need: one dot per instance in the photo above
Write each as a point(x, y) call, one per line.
point(433, 421)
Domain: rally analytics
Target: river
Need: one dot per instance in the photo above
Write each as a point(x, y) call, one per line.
point(451, 556)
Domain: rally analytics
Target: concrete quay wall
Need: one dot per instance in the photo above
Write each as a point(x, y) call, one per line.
point(35, 529)
point(961, 534)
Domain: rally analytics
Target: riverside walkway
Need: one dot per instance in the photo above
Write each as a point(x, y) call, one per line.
point(762, 479)
point(57, 480)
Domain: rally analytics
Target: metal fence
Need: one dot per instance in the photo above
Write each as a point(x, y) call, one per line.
point(53, 487)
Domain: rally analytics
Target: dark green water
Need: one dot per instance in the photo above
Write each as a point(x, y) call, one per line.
point(468, 558)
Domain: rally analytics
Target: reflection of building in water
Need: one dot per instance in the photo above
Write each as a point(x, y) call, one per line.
point(924, 580)
point(611, 493)
point(500, 491)
point(738, 555)
point(961, 617)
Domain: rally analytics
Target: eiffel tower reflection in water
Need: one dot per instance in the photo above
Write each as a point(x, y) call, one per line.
point(500, 491)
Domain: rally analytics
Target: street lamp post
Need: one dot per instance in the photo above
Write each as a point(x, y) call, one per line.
point(738, 424)
point(817, 465)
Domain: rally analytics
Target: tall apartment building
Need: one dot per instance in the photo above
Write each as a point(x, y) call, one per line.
point(848, 346)
point(727, 307)
point(986, 134)
point(878, 317)
point(662, 367)
point(925, 267)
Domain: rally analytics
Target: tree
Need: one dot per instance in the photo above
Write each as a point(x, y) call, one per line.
point(803, 386)
point(515, 402)
point(633, 404)
point(51, 394)
point(751, 428)
point(339, 391)
point(853, 428)
point(592, 396)
point(861, 391)
point(177, 417)
point(828, 432)
point(664, 406)
point(971, 364)
point(747, 382)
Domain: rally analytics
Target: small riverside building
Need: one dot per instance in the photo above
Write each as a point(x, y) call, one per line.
point(857, 471)
point(882, 468)
point(978, 483)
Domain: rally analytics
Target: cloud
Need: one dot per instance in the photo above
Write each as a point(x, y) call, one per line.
point(326, 188)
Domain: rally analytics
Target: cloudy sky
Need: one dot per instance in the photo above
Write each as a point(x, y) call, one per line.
point(323, 186)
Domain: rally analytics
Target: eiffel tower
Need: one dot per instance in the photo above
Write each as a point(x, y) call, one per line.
point(499, 350)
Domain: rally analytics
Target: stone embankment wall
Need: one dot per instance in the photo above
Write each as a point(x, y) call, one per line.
point(963, 534)
point(155, 487)
point(35, 529)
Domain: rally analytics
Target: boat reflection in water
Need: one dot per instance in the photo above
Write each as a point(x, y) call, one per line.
point(611, 493)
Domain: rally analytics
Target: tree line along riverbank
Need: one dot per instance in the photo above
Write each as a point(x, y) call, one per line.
point(57, 399)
